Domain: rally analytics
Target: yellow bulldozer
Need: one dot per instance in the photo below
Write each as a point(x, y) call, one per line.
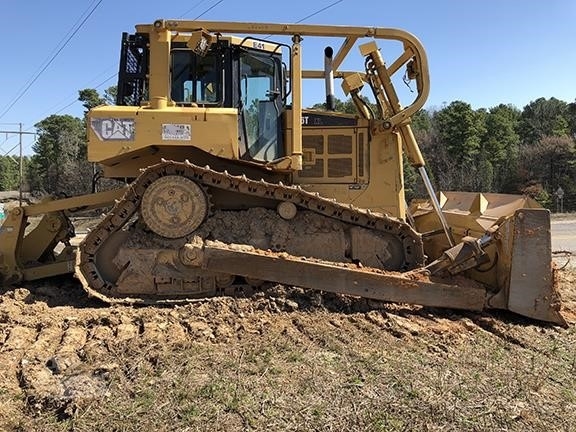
point(231, 183)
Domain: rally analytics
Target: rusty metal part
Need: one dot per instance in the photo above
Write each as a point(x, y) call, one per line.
point(157, 273)
point(188, 254)
point(224, 280)
point(408, 253)
point(465, 255)
point(530, 286)
point(286, 210)
point(336, 277)
point(173, 206)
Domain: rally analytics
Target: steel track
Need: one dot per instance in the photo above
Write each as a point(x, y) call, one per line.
point(127, 207)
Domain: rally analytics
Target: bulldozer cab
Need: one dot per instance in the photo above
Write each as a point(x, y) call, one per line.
point(245, 74)
point(219, 93)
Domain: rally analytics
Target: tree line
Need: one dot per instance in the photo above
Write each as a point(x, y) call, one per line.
point(501, 149)
point(59, 164)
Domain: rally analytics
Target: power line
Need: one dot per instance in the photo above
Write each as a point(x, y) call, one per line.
point(95, 87)
point(208, 10)
point(116, 74)
point(112, 76)
point(109, 78)
point(74, 96)
point(69, 104)
point(313, 14)
point(319, 11)
point(192, 8)
point(59, 43)
point(23, 92)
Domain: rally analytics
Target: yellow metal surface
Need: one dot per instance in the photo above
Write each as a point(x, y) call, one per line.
point(296, 141)
point(473, 214)
point(77, 203)
point(355, 160)
point(159, 69)
point(52, 228)
point(331, 277)
point(469, 213)
point(376, 180)
point(220, 136)
point(412, 46)
point(11, 233)
point(117, 132)
point(260, 44)
point(31, 255)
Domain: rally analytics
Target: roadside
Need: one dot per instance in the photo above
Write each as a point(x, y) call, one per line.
point(563, 228)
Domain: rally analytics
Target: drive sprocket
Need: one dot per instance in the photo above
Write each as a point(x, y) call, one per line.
point(174, 206)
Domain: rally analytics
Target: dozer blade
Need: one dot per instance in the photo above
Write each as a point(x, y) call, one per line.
point(529, 286)
point(517, 270)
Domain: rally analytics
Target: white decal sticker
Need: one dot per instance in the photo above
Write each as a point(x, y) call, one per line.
point(113, 129)
point(176, 132)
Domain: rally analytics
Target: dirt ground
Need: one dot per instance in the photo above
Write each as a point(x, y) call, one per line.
point(281, 360)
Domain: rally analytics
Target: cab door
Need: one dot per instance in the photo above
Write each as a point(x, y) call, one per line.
point(261, 106)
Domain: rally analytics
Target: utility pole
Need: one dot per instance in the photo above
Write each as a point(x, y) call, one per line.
point(21, 170)
point(20, 132)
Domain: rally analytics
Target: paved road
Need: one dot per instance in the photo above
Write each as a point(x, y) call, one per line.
point(564, 235)
point(564, 240)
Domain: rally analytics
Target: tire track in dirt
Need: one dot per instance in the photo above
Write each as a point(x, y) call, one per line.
point(45, 350)
point(16, 340)
point(57, 351)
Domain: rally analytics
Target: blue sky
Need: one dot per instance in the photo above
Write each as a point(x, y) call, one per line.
point(483, 52)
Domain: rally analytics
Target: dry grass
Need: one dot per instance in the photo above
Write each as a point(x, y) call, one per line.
point(381, 370)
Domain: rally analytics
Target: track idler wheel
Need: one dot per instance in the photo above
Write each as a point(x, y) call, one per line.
point(174, 206)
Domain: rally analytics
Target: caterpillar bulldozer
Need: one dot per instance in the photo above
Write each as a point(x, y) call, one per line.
point(231, 183)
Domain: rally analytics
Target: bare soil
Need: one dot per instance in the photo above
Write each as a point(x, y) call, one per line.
point(283, 359)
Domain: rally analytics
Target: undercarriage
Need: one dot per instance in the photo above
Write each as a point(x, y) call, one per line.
point(139, 249)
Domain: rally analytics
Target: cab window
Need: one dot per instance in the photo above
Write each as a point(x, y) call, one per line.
point(195, 79)
point(261, 104)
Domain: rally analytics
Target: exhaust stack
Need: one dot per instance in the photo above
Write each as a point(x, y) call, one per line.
point(329, 79)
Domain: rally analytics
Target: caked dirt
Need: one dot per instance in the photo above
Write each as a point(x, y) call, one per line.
point(282, 359)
